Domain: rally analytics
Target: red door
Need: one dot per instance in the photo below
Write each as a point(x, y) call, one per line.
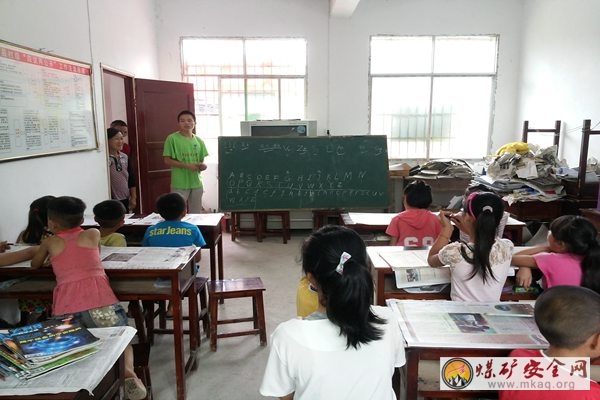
point(156, 109)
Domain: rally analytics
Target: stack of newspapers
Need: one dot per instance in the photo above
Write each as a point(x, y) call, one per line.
point(30, 351)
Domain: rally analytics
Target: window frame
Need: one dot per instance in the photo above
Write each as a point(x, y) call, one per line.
point(244, 76)
point(432, 76)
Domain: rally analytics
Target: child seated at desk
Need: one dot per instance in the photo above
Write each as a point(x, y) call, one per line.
point(82, 287)
point(569, 319)
point(110, 215)
point(416, 226)
point(173, 232)
point(478, 269)
point(572, 256)
point(347, 348)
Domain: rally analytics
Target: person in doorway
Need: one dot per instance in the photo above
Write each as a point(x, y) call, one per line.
point(184, 153)
point(121, 126)
point(122, 180)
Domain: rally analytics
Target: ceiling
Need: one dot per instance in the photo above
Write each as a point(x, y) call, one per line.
point(342, 8)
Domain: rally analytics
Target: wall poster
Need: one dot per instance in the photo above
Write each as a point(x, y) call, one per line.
point(46, 104)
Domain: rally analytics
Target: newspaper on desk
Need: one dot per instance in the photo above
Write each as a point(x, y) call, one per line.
point(412, 269)
point(82, 375)
point(440, 323)
point(145, 257)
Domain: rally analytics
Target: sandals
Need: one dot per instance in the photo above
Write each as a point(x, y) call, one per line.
point(134, 389)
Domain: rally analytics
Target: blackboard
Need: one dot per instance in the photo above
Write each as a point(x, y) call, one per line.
point(276, 173)
point(46, 104)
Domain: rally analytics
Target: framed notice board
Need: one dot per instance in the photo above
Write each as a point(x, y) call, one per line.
point(46, 104)
point(281, 173)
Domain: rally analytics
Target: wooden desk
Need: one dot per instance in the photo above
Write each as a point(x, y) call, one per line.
point(210, 224)
point(447, 340)
point(593, 215)
point(133, 279)
point(377, 223)
point(385, 281)
point(102, 374)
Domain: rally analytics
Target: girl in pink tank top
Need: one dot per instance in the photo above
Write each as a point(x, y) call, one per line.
point(82, 287)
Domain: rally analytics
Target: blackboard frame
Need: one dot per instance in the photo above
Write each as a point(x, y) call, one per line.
point(46, 104)
point(285, 173)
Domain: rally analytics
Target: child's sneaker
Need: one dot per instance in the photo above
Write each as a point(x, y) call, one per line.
point(134, 389)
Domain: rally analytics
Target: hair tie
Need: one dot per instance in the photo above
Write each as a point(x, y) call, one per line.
point(488, 208)
point(343, 258)
point(470, 202)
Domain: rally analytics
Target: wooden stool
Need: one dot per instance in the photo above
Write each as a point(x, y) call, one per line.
point(321, 217)
point(231, 289)
point(200, 284)
point(141, 356)
point(237, 230)
point(285, 225)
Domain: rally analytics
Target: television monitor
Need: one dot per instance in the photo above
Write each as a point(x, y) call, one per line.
point(279, 127)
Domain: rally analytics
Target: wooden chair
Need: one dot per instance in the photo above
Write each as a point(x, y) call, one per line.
point(237, 230)
point(264, 230)
point(149, 314)
point(582, 190)
point(232, 289)
point(321, 217)
point(555, 131)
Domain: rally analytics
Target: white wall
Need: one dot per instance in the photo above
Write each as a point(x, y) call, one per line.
point(560, 64)
point(560, 55)
point(248, 18)
point(120, 34)
point(349, 56)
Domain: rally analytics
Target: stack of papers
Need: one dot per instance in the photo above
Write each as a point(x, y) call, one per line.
point(33, 350)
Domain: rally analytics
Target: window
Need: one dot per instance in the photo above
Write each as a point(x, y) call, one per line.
point(244, 79)
point(432, 96)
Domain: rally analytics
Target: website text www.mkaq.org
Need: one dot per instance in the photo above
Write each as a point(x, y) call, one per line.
point(532, 385)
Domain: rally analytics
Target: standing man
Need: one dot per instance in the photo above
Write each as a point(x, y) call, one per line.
point(184, 153)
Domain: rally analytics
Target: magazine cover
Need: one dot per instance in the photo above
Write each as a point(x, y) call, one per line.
point(51, 338)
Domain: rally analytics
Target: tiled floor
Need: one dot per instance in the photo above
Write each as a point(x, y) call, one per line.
point(235, 370)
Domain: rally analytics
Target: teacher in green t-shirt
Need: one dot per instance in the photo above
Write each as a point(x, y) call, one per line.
point(184, 153)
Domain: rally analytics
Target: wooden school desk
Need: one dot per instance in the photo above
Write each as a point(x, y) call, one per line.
point(385, 281)
point(133, 272)
point(98, 377)
point(430, 333)
point(210, 224)
point(377, 223)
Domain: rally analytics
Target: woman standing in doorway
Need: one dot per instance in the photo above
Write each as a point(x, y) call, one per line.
point(184, 153)
point(122, 180)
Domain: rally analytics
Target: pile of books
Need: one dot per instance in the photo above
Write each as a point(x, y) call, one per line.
point(33, 350)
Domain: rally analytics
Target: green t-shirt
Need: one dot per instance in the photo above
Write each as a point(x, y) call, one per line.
point(186, 150)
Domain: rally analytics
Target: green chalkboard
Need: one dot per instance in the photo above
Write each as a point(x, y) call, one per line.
point(277, 173)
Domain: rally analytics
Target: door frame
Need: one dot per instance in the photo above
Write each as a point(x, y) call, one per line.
point(130, 117)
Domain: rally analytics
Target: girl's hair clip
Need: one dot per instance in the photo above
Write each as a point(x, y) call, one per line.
point(343, 258)
point(488, 208)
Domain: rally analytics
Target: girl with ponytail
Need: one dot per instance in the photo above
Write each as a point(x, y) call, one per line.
point(479, 267)
point(347, 349)
point(572, 256)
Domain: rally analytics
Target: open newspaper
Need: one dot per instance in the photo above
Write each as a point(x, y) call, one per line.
point(456, 324)
point(411, 269)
